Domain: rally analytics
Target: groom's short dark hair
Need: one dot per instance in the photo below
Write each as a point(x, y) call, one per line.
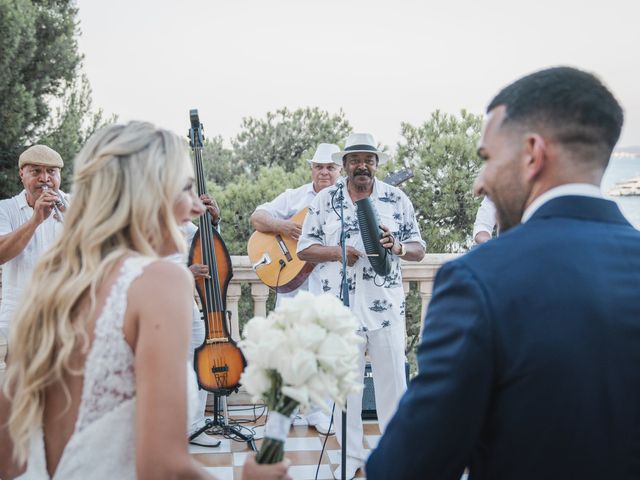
point(573, 106)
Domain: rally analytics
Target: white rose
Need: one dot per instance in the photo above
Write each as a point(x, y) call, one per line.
point(337, 355)
point(251, 351)
point(297, 368)
point(256, 381)
point(308, 337)
point(254, 328)
point(299, 394)
point(322, 386)
point(334, 316)
point(272, 345)
point(292, 311)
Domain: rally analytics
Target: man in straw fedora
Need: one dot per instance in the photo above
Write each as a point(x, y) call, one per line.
point(378, 302)
point(29, 223)
point(274, 217)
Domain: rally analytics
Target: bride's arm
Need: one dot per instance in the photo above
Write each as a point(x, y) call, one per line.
point(161, 299)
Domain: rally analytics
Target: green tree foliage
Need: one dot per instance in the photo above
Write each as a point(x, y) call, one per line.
point(72, 125)
point(442, 154)
point(38, 60)
point(283, 137)
point(218, 162)
point(268, 156)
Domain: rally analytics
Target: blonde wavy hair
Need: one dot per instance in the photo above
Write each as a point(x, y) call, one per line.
point(126, 181)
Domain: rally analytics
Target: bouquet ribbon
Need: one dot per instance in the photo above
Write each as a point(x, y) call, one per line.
point(277, 426)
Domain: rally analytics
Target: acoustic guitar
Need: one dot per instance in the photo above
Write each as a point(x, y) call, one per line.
point(273, 256)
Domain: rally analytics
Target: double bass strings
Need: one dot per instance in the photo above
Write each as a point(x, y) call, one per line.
point(213, 312)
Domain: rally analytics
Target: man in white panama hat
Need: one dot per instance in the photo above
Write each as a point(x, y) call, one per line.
point(274, 217)
point(28, 224)
point(378, 302)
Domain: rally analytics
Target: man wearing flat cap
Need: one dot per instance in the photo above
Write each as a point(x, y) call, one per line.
point(28, 224)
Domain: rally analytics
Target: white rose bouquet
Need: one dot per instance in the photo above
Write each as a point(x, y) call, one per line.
point(304, 351)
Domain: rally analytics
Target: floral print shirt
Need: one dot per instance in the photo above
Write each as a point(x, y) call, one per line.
point(377, 302)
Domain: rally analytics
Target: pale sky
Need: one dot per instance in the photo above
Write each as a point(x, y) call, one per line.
point(382, 62)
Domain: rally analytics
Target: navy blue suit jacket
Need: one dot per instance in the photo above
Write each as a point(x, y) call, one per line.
point(529, 365)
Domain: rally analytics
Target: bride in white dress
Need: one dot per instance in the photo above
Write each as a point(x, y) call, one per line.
point(96, 383)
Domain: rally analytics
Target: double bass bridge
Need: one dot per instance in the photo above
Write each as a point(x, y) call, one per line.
point(220, 370)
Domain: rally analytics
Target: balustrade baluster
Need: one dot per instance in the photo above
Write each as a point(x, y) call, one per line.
point(234, 291)
point(259, 293)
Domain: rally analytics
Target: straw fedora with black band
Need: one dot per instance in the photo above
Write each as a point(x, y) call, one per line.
point(360, 143)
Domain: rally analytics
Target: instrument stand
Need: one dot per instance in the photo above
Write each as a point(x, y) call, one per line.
point(208, 424)
point(345, 302)
point(222, 421)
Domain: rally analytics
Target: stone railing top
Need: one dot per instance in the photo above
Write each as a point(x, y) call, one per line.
point(425, 269)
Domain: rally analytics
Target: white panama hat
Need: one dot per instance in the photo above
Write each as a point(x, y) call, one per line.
point(324, 154)
point(360, 142)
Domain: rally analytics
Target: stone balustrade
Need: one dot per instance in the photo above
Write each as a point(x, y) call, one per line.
point(422, 273)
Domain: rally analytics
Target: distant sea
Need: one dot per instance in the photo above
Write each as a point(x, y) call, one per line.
point(619, 170)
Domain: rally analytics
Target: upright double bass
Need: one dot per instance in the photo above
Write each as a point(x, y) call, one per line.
point(218, 361)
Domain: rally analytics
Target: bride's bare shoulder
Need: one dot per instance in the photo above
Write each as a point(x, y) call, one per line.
point(164, 274)
point(163, 283)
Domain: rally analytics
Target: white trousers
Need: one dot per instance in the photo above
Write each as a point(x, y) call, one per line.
point(197, 338)
point(386, 352)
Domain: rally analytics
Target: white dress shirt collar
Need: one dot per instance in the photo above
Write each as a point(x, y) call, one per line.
point(581, 189)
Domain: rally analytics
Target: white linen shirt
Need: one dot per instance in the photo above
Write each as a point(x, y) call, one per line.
point(16, 273)
point(285, 206)
point(289, 202)
point(377, 302)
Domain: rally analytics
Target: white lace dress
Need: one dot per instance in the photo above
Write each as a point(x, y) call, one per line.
point(102, 445)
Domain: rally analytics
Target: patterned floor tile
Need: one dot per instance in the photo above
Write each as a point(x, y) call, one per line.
point(296, 444)
point(372, 440)
point(308, 472)
point(303, 448)
point(221, 473)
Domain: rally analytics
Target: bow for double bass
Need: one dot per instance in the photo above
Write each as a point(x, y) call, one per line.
point(218, 361)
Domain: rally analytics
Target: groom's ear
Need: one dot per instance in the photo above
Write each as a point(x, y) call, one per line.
point(535, 155)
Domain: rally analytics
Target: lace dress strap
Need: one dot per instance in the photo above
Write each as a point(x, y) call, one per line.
point(109, 377)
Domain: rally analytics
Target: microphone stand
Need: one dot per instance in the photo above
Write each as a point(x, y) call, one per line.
point(345, 302)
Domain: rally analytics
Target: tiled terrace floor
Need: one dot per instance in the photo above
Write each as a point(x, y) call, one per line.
point(303, 448)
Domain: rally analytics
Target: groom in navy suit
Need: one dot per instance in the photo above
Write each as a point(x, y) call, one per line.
point(529, 365)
